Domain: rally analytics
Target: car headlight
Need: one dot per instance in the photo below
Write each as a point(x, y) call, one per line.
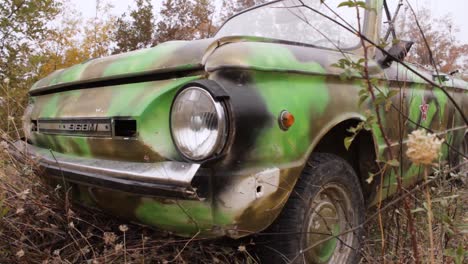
point(198, 124)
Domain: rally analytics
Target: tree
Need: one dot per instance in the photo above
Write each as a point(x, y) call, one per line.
point(98, 31)
point(61, 48)
point(23, 25)
point(185, 20)
point(202, 16)
point(448, 53)
point(72, 42)
point(175, 21)
point(231, 7)
point(137, 31)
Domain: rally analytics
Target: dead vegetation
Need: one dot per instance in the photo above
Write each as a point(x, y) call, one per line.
point(449, 198)
point(38, 224)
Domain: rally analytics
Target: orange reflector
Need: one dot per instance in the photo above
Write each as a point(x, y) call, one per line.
point(286, 120)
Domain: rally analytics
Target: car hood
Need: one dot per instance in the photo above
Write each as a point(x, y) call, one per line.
point(168, 57)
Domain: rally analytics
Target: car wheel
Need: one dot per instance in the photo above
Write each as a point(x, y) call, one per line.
point(321, 221)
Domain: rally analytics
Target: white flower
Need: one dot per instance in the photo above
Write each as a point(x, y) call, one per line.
point(241, 248)
point(20, 253)
point(423, 148)
point(6, 80)
point(123, 228)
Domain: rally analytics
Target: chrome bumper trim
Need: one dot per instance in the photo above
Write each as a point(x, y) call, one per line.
point(170, 176)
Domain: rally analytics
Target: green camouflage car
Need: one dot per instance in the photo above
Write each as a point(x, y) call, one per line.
point(243, 132)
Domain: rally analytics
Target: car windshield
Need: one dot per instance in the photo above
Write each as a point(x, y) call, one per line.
point(292, 21)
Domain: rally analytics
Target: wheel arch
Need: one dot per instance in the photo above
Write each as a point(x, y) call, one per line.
point(362, 153)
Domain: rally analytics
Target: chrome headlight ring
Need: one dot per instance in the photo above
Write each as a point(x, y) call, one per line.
point(199, 120)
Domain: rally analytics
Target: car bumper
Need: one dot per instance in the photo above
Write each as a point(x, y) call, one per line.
point(156, 194)
point(161, 194)
point(165, 179)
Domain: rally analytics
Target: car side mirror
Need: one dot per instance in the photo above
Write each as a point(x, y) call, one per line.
point(440, 77)
point(397, 52)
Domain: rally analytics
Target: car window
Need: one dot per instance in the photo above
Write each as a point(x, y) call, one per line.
point(290, 20)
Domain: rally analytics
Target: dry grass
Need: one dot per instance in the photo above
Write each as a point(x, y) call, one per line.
point(450, 225)
point(39, 225)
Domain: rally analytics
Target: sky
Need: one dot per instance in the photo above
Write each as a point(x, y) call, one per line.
point(456, 8)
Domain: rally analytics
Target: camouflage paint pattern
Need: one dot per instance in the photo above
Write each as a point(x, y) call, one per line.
point(262, 77)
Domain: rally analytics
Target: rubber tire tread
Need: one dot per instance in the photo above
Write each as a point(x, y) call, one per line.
point(282, 240)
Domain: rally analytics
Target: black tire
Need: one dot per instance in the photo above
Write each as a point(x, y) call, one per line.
point(325, 178)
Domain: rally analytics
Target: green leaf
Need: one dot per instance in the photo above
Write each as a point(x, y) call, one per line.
point(379, 100)
point(392, 93)
point(345, 75)
point(374, 81)
point(388, 104)
point(370, 179)
point(337, 65)
point(348, 141)
point(352, 130)
point(362, 99)
point(382, 43)
point(363, 92)
point(371, 119)
point(393, 163)
point(347, 3)
point(361, 4)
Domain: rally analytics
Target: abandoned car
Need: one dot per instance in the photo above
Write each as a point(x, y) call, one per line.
point(243, 132)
